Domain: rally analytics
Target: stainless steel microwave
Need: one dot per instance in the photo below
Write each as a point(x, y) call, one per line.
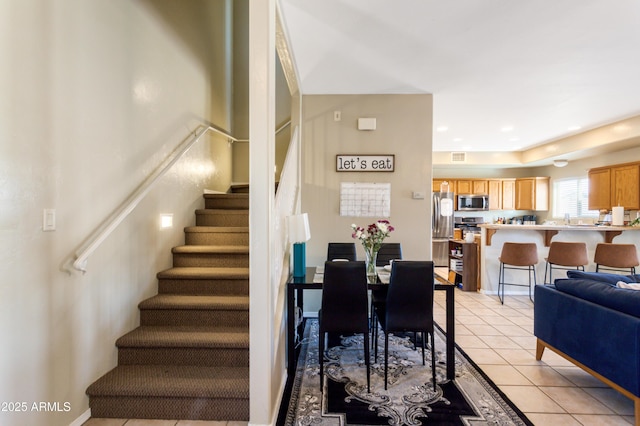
point(473, 202)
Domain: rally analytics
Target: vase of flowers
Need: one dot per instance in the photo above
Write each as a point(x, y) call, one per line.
point(372, 238)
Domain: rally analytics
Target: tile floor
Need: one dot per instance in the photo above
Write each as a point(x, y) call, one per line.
point(499, 338)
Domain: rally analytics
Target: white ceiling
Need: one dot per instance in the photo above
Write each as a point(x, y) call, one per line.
point(537, 67)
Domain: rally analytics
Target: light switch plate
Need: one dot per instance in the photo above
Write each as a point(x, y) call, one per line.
point(49, 220)
point(417, 195)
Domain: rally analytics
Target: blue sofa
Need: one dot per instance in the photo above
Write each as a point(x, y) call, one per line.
point(586, 319)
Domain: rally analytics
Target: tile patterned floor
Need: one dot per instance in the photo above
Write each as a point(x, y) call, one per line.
point(499, 338)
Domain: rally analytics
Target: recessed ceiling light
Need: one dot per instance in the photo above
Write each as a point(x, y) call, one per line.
point(457, 139)
point(506, 129)
point(514, 139)
point(572, 128)
point(442, 128)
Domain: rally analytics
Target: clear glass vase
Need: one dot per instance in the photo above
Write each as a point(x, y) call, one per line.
point(371, 257)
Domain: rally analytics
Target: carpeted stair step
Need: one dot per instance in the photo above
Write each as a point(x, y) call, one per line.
point(211, 256)
point(221, 217)
point(213, 281)
point(172, 392)
point(198, 310)
point(226, 201)
point(239, 188)
point(203, 346)
point(189, 358)
point(216, 235)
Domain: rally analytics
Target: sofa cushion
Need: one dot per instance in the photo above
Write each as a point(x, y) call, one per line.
point(603, 293)
point(605, 277)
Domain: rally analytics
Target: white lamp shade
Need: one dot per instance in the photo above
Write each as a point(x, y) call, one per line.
point(299, 228)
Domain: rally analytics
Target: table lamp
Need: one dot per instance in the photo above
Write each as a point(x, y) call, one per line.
point(298, 235)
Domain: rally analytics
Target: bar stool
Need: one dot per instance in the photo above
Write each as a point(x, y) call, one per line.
point(564, 255)
point(616, 257)
point(518, 256)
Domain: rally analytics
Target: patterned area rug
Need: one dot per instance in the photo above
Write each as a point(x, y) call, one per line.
point(470, 399)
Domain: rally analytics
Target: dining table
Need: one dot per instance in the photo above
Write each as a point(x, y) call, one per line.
point(313, 281)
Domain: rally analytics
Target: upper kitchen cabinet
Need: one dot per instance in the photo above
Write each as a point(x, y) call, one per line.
point(464, 186)
point(617, 185)
point(625, 186)
point(436, 185)
point(532, 193)
point(502, 192)
point(495, 194)
point(508, 194)
point(472, 186)
point(480, 187)
point(600, 189)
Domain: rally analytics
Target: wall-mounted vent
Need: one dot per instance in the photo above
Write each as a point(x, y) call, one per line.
point(458, 157)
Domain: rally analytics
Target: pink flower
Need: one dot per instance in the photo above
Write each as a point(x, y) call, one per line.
point(374, 235)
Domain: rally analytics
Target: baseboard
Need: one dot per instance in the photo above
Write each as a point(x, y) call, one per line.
point(82, 419)
point(274, 418)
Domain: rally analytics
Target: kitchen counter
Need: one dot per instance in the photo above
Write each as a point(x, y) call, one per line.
point(550, 230)
point(495, 235)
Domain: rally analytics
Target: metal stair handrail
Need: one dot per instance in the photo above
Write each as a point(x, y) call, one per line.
point(118, 215)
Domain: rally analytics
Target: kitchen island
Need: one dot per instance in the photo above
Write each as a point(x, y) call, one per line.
point(493, 236)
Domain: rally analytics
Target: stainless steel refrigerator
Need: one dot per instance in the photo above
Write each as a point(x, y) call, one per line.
point(442, 227)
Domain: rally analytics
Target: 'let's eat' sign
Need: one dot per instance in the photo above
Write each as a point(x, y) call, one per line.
point(365, 163)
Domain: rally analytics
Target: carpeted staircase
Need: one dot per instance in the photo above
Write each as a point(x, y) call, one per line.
point(189, 359)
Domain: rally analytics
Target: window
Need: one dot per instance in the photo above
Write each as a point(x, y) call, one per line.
point(572, 196)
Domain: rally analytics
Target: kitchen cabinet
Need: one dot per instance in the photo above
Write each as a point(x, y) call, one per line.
point(617, 185)
point(600, 189)
point(625, 186)
point(508, 194)
point(501, 192)
point(532, 193)
point(463, 264)
point(480, 187)
point(436, 185)
point(472, 186)
point(495, 194)
point(464, 187)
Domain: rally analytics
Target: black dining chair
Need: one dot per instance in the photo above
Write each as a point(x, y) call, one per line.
point(387, 252)
point(341, 251)
point(408, 308)
point(344, 306)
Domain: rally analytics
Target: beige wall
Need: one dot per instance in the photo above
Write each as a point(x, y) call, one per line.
point(283, 114)
point(95, 94)
point(404, 125)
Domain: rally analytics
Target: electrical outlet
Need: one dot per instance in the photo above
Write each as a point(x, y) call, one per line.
point(337, 115)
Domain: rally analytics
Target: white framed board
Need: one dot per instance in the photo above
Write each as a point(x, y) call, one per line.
point(365, 199)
